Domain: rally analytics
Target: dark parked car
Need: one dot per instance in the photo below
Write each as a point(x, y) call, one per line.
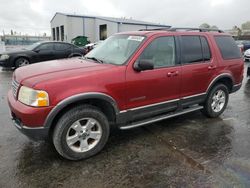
point(41, 51)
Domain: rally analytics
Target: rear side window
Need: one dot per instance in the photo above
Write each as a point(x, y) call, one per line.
point(61, 47)
point(191, 49)
point(228, 47)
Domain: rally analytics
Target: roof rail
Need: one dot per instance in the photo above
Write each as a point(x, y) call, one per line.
point(195, 29)
point(156, 29)
point(184, 29)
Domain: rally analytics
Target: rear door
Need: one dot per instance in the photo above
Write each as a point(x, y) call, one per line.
point(63, 50)
point(198, 66)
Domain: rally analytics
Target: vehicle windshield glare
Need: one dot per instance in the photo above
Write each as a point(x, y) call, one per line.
point(116, 49)
point(32, 46)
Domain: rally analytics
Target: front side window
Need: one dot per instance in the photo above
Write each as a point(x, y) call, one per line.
point(46, 46)
point(116, 49)
point(161, 52)
point(191, 49)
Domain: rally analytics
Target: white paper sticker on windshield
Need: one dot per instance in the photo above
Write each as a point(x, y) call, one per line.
point(136, 38)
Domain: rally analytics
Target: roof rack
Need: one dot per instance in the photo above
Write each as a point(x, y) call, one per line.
point(184, 29)
point(195, 29)
point(156, 29)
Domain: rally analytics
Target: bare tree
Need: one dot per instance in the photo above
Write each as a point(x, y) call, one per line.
point(205, 26)
point(214, 27)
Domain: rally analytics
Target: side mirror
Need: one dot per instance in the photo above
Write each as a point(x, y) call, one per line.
point(143, 64)
point(37, 50)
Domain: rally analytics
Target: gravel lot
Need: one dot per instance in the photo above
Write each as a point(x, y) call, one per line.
point(185, 151)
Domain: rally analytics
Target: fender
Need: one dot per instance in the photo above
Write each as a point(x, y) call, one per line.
point(223, 75)
point(75, 98)
point(20, 56)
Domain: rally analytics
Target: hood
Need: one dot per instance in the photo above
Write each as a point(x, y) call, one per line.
point(38, 72)
point(14, 52)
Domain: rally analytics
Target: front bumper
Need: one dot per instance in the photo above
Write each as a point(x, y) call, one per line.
point(247, 57)
point(29, 120)
point(39, 133)
point(5, 63)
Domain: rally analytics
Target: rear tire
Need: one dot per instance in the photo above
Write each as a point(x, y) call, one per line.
point(81, 132)
point(216, 101)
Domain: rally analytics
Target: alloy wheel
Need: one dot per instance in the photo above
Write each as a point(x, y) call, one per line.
point(83, 135)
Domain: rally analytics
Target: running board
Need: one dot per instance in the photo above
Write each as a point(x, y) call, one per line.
point(159, 118)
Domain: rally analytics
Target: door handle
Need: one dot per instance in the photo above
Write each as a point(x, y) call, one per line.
point(174, 73)
point(211, 67)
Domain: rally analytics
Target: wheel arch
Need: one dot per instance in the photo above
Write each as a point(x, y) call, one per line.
point(225, 79)
point(21, 56)
point(100, 100)
point(75, 55)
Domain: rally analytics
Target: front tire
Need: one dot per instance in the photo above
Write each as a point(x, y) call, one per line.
point(20, 62)
point(216, 101)
point(81, 133)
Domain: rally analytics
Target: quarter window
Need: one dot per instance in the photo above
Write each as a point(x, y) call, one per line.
point(228, 47)
point(161, 52)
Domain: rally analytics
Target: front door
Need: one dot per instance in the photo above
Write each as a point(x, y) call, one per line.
point(45, 52)
point(156, 91)
point(63, 50)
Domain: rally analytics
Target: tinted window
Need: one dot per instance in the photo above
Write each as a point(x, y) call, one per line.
point(47, 46)
point(228, 47)
point(205, 49)
point(60, 47)
point(191, 49)
point(161, 52)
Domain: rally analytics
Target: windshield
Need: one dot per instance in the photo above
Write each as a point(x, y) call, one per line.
point(33, 46)
point(116, 49)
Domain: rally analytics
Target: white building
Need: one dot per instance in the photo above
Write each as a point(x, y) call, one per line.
point(65, 27)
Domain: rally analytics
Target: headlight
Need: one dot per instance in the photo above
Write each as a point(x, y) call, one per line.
point(4, 57)
point(31, 97)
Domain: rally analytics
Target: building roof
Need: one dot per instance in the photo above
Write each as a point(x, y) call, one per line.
point(115, 20)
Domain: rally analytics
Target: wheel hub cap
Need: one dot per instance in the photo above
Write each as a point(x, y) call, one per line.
point(83, 135)
point(218, 101)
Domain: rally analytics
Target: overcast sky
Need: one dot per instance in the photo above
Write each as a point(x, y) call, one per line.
point(33, 16)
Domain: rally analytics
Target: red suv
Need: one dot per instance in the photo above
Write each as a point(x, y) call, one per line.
point(131, 79)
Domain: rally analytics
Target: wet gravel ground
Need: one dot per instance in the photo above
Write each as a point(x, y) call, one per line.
point(186, 151)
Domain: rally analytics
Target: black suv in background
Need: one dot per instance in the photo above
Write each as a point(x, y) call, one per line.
point(40, 51)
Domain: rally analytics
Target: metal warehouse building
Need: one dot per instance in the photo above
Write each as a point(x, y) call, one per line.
point(65, 27)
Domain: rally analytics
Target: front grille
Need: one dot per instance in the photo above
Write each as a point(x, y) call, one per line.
point(15, 86)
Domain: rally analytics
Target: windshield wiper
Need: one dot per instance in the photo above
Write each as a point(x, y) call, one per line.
point(95, 59)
